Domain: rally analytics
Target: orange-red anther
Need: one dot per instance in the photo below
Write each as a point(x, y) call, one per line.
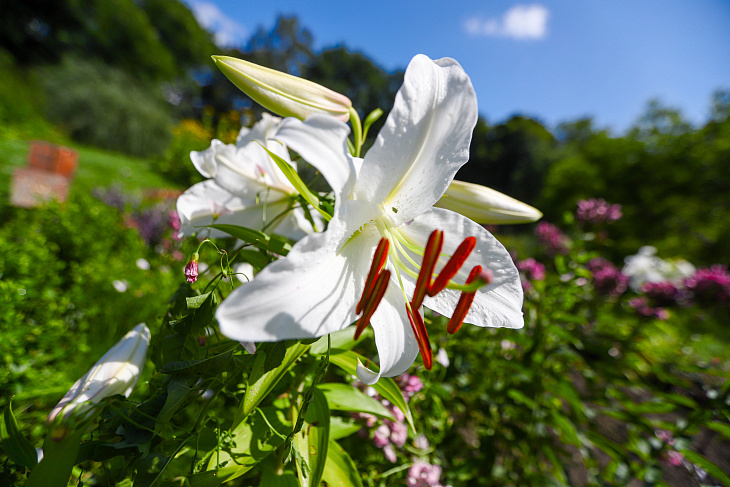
point(452, 266)
point(419, 330)
point(465, 302)
point(430, 256)
point(381, 284)
point(379, 258)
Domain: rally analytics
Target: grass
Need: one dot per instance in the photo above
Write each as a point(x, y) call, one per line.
point(95, 168)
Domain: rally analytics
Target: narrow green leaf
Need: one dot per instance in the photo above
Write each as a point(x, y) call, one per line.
point(340, 470)
point(263, 379)
point(711, 467)
point(270, 243)
point(339, 340)
point(386, 387)
point(293, 177)
point(344, 397)
point(313, 441)
point(721, 428)
point(196, 302)
point(251, 442)
point(567, 430)
point(17, 447)
point(210, 365)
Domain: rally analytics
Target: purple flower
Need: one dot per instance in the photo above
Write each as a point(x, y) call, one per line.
point(663, 293)
point(552, 238)
point(597, 211)
point(607, 278)
point(423, 474)
point(191, 269)
point(710, 285)
point(530, 270)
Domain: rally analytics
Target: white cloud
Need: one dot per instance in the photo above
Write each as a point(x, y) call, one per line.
point(523, 22)
point(227, 32)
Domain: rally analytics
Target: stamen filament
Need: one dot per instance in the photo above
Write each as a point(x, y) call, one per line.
point(381, 284)
point(452, 266)
point(379, 258)
point(465, 301)
point(419, 330)
point(430, 256)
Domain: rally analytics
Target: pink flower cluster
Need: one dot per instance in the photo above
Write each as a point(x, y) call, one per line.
point(710, 285)
point(607, 278)
point(530, 270)
point(642, 306)
point(552, 238)
point(423, 474)
point(673, 457)
point(664, 293)
point(391, 434)
point(597, 211)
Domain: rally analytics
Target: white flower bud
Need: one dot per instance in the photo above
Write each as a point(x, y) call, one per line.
point(485, 205)
point(115, 373)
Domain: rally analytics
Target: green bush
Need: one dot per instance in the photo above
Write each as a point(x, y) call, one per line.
point(61, 310)
point(105, 107)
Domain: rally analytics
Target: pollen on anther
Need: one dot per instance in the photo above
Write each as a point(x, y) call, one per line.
point(464, 304)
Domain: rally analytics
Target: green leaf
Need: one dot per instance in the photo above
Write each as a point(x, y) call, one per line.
point(567, 430)
point(214, 478)
point(250, 444)
point(177, 392)
point(721, 428)
point(386, 387)
point(196, 302)
point(340, 470)
point(703, 462)
point(519, 397)
point(344, 397)
point(339, 340)
point(313, 441)
point(293, 177)
point(17, 447)
point(342, 428)
point(270, 243)
point(263, 379)
point(211, 365)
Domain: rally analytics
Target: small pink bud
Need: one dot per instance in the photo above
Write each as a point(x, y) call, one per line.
point(191, 269)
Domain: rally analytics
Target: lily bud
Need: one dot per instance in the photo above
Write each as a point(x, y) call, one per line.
point(115, 373)
point(485, 205)
point(282, 93)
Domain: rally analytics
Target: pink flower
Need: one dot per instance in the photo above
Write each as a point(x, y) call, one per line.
point(409, 385)
point(607, 278)
point(423, 474)
point(597, 211)
point(552, 238)
point(710, 285)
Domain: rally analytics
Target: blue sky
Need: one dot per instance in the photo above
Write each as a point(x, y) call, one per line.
point(553, 60)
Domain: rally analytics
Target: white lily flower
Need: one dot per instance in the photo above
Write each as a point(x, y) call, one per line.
point(486, 205)
point(245, 188)
point(282, 93)
point(115, 373)
point(327, 278)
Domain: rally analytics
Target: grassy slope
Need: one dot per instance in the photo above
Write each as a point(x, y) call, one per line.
point(95, 168)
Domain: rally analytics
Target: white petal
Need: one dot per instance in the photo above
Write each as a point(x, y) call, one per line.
point(498, 304)
point(311, 292)
point(204, 161)
point(424, 142)
point(397, 346)
point(199, 205)
point(262, 130)
point(322, 141)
